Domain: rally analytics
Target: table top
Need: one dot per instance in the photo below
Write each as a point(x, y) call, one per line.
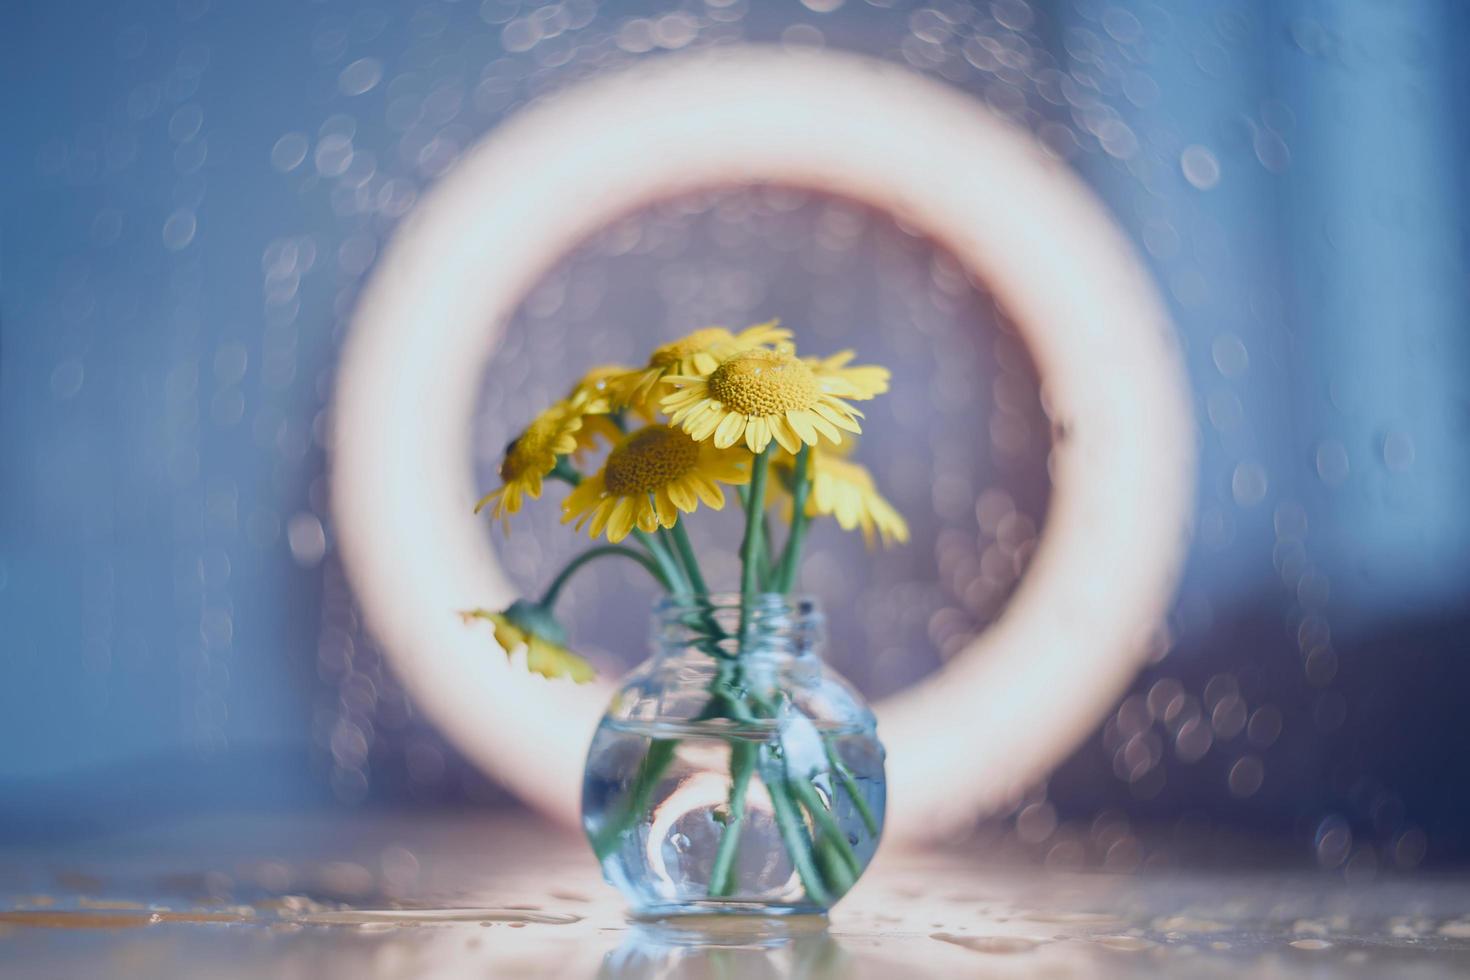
point(436, 895)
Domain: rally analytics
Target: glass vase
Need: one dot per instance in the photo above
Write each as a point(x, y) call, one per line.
point(734, 772)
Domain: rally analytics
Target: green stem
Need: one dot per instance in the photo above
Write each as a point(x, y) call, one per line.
point(565, 471)
point(850, 785)
point(750, 548)
point(823, 821)
point(650, 772)
point(742, 761)
point(793, 833)
point(765, 560)
point(672, 573)
point(686, 552)
point(832, 865)
point(549, 597)
point(764, 572)
point(801, 489)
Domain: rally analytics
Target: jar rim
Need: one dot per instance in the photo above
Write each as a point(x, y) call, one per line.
point(797, 602)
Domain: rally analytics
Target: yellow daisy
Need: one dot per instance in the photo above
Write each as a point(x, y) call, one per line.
point(698, 353)
point(528, 626)
point(844, 490)
point(530, 456)
point(758, 395)
point(649, 477)
point(598, 392)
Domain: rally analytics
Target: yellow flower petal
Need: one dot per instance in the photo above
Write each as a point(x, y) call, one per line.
point(682, 496)
point(729, 431)
point(524, 626)
point(649, 477)
point(600, 516)
point(552, 661)
point(620, 520)
point(802, 422)
point(668, 512)
point(709, 491)
point(786, 435)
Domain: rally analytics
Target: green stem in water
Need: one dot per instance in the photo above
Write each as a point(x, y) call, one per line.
point(793, 832)
point(801, 488)
point(850, 785)
point(650, 773)
point(742, 762)
point(686, 552)
point(830, 863)
point(829, 834)
point(549, 597)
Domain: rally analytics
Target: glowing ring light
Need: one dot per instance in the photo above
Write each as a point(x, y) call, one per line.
point(1019, 697)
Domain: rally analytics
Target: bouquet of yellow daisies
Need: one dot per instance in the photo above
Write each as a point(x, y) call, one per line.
point(712, 410)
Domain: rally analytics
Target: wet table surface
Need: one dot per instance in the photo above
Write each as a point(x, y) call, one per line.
point(504, 896)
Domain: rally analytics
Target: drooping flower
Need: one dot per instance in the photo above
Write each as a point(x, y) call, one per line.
point(530, 456)
point(754, 396)
point(530, 627)
point(845, 491)
point(650, 476)
point(698, 353)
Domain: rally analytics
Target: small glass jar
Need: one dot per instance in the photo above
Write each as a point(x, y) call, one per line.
point(734, 771)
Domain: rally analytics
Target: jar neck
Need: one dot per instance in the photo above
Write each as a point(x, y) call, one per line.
point(769, 626)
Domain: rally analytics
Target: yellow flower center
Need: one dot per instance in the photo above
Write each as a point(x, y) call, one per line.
point(764, 382)
point(533, 449)
point(648, 460)
point(671, 354)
